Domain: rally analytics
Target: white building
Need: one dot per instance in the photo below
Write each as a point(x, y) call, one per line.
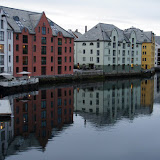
point(6, 44)
point(107, 47)
point(157, 51)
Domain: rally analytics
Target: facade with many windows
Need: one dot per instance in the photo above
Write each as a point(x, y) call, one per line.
point(108, 48)
point(40, 46)
point(6, 44)
point(157, 51)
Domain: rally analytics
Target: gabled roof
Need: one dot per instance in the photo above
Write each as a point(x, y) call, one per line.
point(140, 35)
point(102, 32)
point(157, 39)
point(19, 19)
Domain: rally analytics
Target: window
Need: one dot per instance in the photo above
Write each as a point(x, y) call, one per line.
point(17, 69)
point(84, 51)
point(25, 49)
point(97, 59)
point(65, 68)
point(69, 68)
point(1, 48)
point(114, 38)
point(114, 45)
point(34, 38)
point(114, 60)
point(51, 39)
point(70, 59)
point(34, 58)
point(52, 69)
point(9, 47)
point(1, 36)
point(123, 54)
point(43, 60)
point(17, 36)
point(70, 49)
point(59, 50)
point(17, 59)
point(48, 30)
point(59, 60)
point(98, 44)
point(91, 44)
point(98, 52)
point(65, 49)
point(39, 29)
point(91, 59)
point(65, 40)
point(91, 51)
point(114, 52)
point(34, 48)
point(43, 30)
point(124, 45)
point(51, 48)
point(84, 58)
point(132, 40)
point(34, 69)
point(25, 39)
point(83, 44)
point(52, 59)
point(25, 60)
point(65, 59)
point(70, 40)
point(2, 24)
point(1, 62)
point(17, 47)
point(43, 50)
point(123, 60)
point(43, 40)
point(132, 46)
point(59, 41)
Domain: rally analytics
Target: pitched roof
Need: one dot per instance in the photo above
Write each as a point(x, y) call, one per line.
point(18, 19)
point(103, 32)
point(157, 39)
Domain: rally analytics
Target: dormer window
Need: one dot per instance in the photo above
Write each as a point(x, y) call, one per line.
point(84, 44)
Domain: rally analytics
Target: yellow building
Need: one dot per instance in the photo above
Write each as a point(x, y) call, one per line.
point(148, 51)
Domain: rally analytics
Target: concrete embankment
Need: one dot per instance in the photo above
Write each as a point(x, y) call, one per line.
point(81, 76)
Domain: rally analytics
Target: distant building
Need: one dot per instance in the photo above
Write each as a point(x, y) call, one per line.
point(75, 34)
point(6, 44)
point(40, 45)
point(110, 49)
point(157, 51)
point(148, 46)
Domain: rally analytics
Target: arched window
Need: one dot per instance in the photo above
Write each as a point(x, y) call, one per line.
point(114, 38)
point(91, 44)
point(84, 44)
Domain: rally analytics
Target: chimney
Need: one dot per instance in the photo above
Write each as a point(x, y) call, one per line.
point(85, 29)
point(76, 30)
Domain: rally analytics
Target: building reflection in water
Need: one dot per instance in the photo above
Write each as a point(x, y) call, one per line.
point(41, 113)
point(113, 100)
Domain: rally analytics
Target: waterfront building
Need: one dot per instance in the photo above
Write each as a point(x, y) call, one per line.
point(108, 48)
point(6, 44)
point(157, 51)
point(148, 46)
point(40, 46)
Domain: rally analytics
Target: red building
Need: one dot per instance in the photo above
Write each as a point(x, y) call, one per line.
point(40, 46)
point(41, 113)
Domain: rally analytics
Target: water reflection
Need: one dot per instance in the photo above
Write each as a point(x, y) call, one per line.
point(41, 116)
point(114, 100)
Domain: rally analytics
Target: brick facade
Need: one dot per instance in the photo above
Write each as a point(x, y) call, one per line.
point(46, 55)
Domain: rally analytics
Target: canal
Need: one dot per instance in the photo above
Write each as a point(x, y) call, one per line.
point(115, 120)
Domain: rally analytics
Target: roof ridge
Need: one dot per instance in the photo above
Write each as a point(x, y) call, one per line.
point(18, 9)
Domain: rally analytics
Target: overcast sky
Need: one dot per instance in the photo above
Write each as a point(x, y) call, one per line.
point(75, 14)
